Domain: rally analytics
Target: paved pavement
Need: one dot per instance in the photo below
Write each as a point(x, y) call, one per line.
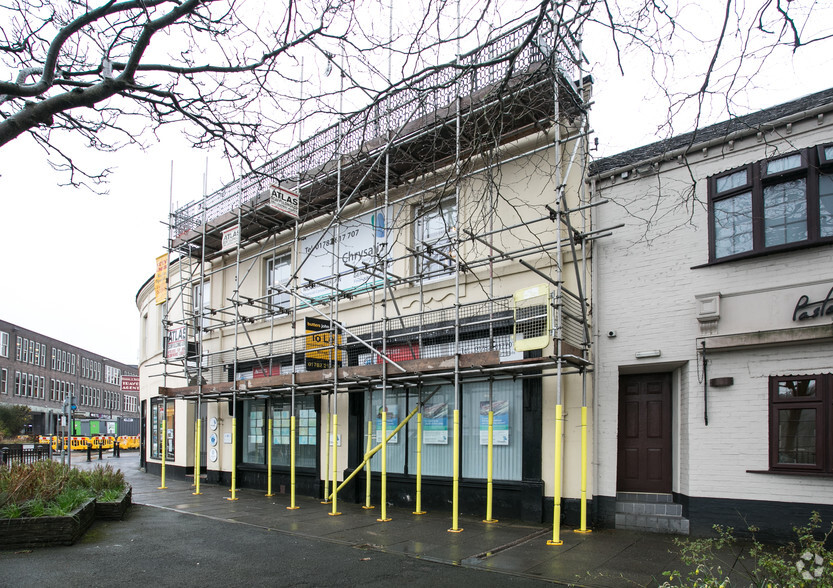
point(603, 558)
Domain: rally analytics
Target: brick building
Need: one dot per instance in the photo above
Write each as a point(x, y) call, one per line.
point(40, 372)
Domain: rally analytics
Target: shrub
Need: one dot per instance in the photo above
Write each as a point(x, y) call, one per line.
point(110, 496)
point(48, 488)
point(806, 561)
point(101, 479)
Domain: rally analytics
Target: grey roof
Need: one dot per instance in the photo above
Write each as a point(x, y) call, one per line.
point(715, 131)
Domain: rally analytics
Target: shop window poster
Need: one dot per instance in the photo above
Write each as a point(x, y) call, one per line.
point(500, 424)
point(435, 424)
point(393, 421)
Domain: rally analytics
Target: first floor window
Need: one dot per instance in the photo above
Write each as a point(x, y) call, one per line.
point(278, 272)
point(784, 201)
point(801, 423)
point(4, 381)
point(435, 238)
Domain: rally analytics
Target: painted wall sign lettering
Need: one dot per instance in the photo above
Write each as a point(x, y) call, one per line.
point(806, 310)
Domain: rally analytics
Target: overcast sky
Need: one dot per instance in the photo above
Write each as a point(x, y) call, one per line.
point(72, 261)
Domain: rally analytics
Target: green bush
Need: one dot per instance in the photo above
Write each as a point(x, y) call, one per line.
point(806, 561)
point(48, 488)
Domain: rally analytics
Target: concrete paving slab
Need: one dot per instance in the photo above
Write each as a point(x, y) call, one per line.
point(603, 558)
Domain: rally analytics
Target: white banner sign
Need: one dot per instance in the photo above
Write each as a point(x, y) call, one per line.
point(177, 343)
point(360, 239)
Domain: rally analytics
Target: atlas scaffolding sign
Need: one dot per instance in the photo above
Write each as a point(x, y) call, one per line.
point(177, 344)
point(231, 238)
point(283, 200)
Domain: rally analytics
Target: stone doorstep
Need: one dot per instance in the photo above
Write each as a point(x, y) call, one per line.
point(654, 523)
point(644, 497)
point(649, 508)
point(651, 512)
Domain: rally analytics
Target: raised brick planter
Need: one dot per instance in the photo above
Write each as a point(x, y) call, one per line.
point(45, 531)
point(114, 511)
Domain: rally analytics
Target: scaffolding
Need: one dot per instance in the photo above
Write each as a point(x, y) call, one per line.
point(421, 168)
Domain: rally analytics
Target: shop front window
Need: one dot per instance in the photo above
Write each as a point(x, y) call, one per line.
point(254, 431)
point(507, 424)
point(438, 430)
point(162, 415)
point(306, 432)
point(394, 408)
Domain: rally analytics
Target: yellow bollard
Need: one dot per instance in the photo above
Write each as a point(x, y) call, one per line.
point(583, 528)
point(335, 465)
point(374, 451)
point(556, 494)
point(455, 493)
point(269, 458)
point(233, 460)
point(419, 510)
point(490, 452)
point(367, 505)
point(292, 505)
point(384, 514)
point(327, 467)
point(197, 457)
point(164, 452)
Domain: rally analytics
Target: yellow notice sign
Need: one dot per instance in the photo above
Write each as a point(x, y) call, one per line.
point(160, 282)
point(320, 352)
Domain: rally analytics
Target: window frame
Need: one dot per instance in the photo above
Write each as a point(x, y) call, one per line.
point(423, 213)
point(813, 165)
point(276, 299)
point(4, 344)
point(822, 402)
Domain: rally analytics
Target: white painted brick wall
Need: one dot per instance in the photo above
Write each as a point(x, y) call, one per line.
point(645, 287)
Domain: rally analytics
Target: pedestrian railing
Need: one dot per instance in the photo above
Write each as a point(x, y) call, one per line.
point(23, 453)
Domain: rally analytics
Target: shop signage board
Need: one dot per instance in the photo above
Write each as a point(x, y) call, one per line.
point(319, 354)
point(130, 383)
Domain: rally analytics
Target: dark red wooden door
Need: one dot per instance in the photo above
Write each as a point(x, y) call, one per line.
point(644, 463)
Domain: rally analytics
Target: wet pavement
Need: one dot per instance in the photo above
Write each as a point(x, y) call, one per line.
point(602, 558)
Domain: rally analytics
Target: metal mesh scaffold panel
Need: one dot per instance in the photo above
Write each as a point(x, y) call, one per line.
point(484, 326)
